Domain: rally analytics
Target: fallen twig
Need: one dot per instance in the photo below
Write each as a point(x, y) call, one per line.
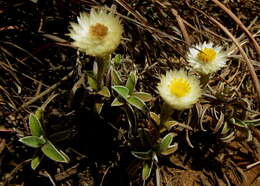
point(235, 18)
point(182, 26)
point(249, 64)
point(46, 91)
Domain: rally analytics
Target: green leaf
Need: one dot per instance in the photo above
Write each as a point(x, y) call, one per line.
point(137, 102)
point(98, 107)
point(53, 153)
point(104, 92)
point(165, 143)
point(35, 126)
point(238, 123)
point(115, 77)
point(121, 90)
point(225, 129)
point(78, 84)
point(253, 123)
point(155, 117)
point(143, 96)
point(168, 124)
point(131, 118)
point(143, 155)
point(33, 141)
point(36, 160)
point(117, 59)
point(65, 156)
point(131, 82)
point(245, 123)
point(39, 113)
point(116, 103)
point(92, 82)
point(171, 149)
point(147, 168)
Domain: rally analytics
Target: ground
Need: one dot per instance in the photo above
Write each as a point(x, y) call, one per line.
point(218, 138)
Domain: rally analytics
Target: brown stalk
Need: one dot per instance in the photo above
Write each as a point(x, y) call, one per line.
point(47, 91)
point(249, 64)
point(235, 18)
point(182, 26)
point(141, 21)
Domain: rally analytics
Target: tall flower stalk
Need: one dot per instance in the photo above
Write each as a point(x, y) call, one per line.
point(97, 34)
point(179, 91)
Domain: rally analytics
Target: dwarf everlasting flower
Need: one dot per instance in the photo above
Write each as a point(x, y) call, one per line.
point(98, 33)
point(206, 59)
point(179, 90)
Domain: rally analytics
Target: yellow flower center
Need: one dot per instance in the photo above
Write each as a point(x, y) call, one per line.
point(207, 55)
point(98, 31)
point(180, 87)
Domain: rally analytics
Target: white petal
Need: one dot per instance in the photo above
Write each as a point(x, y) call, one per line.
point(97, 47)
point(206, 68)
point(179, 103)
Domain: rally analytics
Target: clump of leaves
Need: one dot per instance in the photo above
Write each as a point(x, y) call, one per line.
point(150, 157)
point(246, 124)
point(39, 141)
point(128, 95)
point(128, 98)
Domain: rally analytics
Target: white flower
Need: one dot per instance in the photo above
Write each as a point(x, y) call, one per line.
point(98, 33)
point(206, 59)
point(179, 90)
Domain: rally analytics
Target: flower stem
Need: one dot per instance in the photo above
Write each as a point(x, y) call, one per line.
point(166, 112)
point(102, 64)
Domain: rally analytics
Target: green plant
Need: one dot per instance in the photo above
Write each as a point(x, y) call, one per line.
point(128, 95)
point(246, 124)
point(167, 124)
point(150, 157)
point(128, 98)
point(39, 140)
